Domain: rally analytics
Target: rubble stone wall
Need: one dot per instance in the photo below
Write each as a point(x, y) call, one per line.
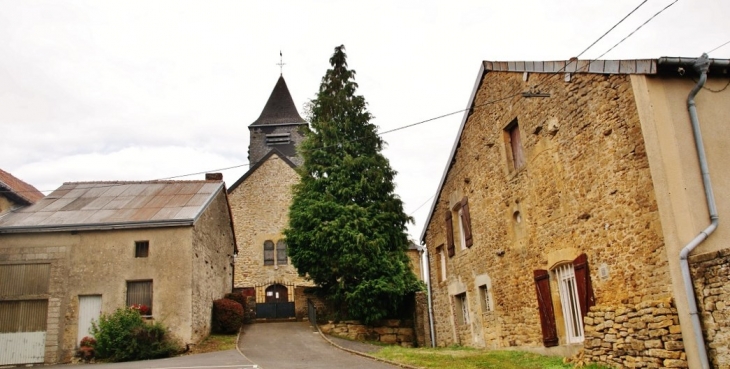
point(711, 277)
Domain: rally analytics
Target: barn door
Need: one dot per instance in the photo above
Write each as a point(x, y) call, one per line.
point(89, 311)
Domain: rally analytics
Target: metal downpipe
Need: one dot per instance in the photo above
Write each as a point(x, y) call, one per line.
point(702, 65)
point(424, 253)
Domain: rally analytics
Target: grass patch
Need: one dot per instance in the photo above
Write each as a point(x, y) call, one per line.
point(215, 342)
point(469, 358)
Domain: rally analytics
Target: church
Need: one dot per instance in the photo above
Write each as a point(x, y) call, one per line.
point(260, 202)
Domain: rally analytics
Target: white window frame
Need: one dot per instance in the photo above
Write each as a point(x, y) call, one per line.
point(568, 289)
point(462, 233)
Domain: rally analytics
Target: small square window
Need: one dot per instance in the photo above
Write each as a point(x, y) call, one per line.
point(141, 249)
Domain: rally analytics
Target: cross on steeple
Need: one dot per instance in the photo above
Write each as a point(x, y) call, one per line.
point(281, 63)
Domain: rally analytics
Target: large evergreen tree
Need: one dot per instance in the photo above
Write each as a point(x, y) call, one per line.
point(347, 227)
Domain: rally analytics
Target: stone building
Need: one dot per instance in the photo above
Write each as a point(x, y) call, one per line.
point(14, 193)
point(568, 196)
point(260, 206)
point(92, 247)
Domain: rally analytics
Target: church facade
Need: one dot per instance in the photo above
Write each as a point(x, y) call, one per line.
point(260, 202)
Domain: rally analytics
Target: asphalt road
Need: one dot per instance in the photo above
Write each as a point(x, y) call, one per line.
point(287, 345)
point(296, 345)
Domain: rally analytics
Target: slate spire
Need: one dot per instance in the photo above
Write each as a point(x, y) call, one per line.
point(280, 108)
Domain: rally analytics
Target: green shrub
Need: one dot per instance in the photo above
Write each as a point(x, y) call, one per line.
point(125, 336)
point(227, 316)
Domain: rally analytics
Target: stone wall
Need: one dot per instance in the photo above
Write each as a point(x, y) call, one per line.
point(585, 188)
point(260, 208)
point(421, 324)
point(395, 332)
point(645, 335)
point(212, 244)
point(711, 277)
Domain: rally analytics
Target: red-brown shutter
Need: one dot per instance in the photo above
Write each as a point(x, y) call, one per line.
point(583, 283)
point(466, 221)
point(449, 235)
point(545, 305)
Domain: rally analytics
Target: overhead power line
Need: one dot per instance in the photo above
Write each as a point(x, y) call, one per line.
point(611, 29)
point(728, 42)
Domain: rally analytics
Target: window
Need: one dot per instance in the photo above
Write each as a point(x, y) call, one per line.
point(278, 139)
point(268, 252)
point(442, 263)
point(139, 295)
point(462, 308)
point(281, 253)
point(484, 298)
point(569, 301)
point(514, 145)
point(576, 298)
point(141, 249)
point(465, 235)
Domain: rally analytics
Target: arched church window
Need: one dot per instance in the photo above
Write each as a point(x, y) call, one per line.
point(281, 258)
point(268, 252)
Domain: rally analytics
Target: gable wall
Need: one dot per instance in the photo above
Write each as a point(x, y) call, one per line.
point(212, 264)
point(585, 188)
point(260, 207)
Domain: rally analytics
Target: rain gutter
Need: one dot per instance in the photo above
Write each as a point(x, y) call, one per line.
point(98, 226)
point(702, 66)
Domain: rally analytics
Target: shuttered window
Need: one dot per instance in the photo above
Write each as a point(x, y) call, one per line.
point(545, 308)
point(281, 258)
point(140, 293)
point(23, 316)
point(465, 221)
point(449, 234)
point(268, 252)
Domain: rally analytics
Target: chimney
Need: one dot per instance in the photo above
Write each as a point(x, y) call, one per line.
point(213, 176)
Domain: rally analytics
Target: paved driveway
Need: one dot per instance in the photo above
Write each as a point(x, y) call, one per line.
point(292, 345)
point(229, 359)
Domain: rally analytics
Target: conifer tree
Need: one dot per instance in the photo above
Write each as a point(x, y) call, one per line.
point(347, 227)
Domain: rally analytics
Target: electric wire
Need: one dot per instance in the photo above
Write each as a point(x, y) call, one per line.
point(611, 29)
point(728, 42)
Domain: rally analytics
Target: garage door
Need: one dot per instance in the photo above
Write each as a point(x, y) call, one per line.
point(23, 312)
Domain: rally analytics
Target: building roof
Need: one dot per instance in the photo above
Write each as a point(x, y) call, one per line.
point(16, 189)
point(261, 162)
point(671, 66)
point(280, 109)
point(114, 205)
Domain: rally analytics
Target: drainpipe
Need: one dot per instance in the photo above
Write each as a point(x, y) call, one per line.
point(427, 276)
point(702, 65)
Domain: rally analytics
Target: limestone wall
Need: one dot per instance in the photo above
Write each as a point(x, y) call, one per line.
point(212, 277)
point(711, 277)
point(396, 332)
point(260, 207)
point(645, 335)
point(585, 188)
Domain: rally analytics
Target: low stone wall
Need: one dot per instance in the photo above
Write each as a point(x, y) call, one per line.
point(645, 335)
point(711, 277)
point(392, 331)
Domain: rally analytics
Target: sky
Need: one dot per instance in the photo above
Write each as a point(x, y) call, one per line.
point(143, 90)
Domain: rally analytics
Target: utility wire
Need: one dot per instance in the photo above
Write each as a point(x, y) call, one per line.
point(728, 42)
point(638, 28)
point(611, 29)
point(424, 203)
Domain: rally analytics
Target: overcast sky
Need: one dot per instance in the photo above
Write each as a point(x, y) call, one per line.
point(141, 90)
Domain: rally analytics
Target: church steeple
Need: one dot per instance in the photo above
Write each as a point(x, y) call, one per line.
point(279, 127)
point(280, 108)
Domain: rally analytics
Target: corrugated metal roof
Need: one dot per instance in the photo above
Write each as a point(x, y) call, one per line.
point(636, 66)
point(111, 205)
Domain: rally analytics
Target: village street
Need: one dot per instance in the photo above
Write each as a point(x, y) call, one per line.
point(288, 345)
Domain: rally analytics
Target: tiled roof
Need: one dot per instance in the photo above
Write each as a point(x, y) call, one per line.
point(22, 191)
point(280, 108)
point(112, 205)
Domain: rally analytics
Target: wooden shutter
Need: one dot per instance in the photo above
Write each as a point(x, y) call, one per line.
point(545, 305)
point(516, 141)
point(449, 234)
point(583, 284)
point(466, 221)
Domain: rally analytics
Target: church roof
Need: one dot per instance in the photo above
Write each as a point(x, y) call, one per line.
point(280, 108)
